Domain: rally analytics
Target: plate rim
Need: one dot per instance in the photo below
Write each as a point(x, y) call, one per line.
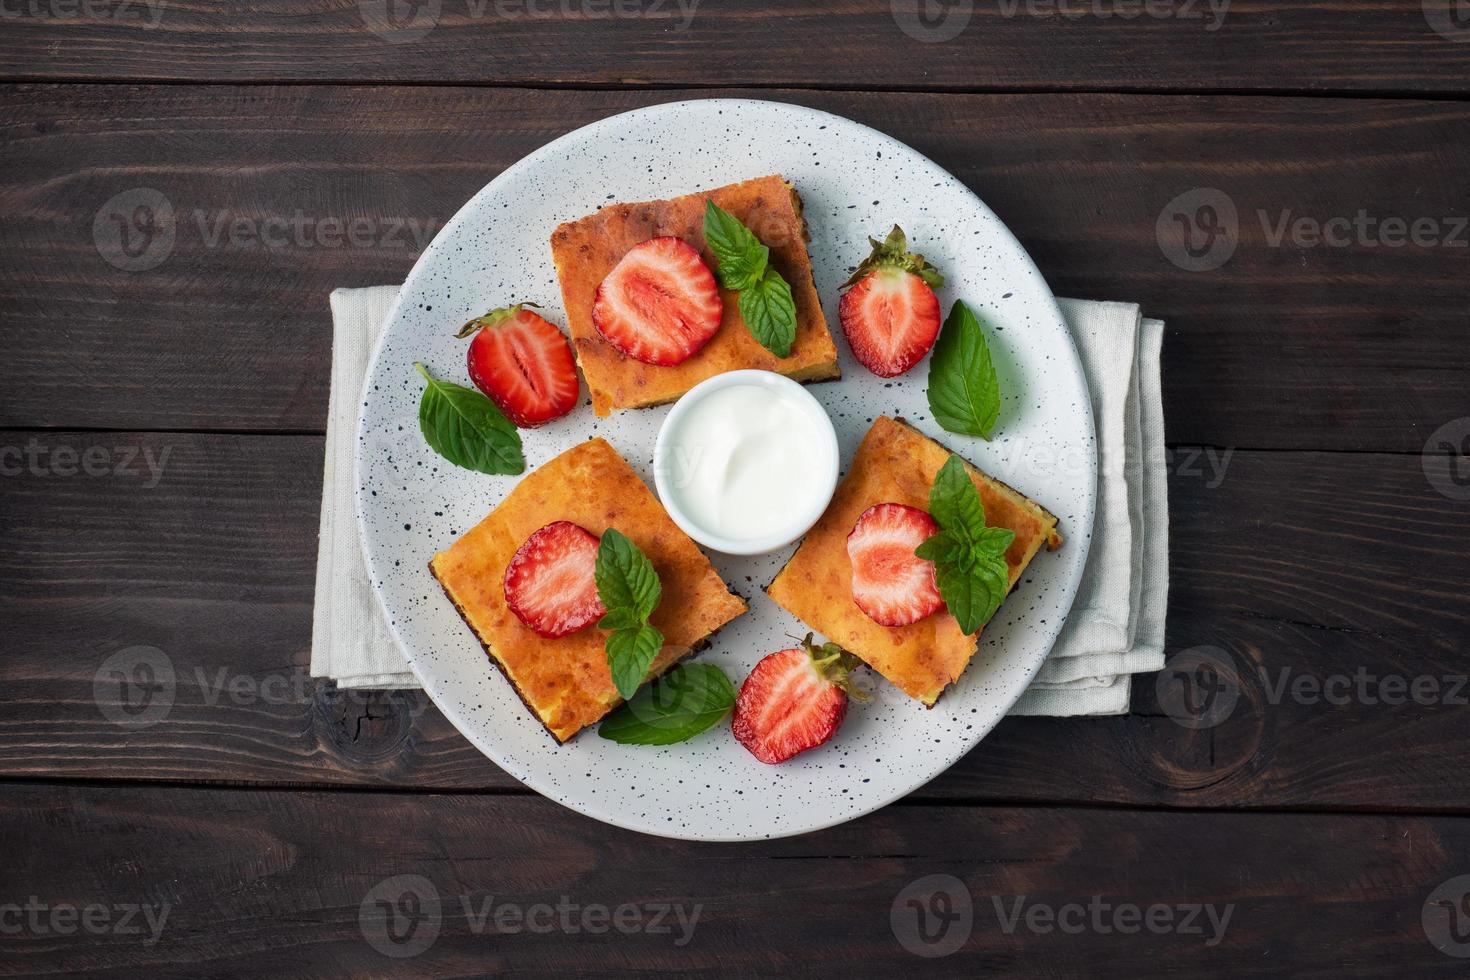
point(1068, 587)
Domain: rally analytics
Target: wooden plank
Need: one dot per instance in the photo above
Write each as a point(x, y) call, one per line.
point(1059, 44)
point(193, 556)
point(1317, 565)
point(266, 884)
point(1308, 347)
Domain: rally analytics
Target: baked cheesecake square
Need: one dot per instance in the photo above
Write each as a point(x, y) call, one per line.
point(587, 249)
point(896, 463)
point(565, 681)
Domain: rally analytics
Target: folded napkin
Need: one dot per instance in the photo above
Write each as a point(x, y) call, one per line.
point(350, 642)
point(1116, 627)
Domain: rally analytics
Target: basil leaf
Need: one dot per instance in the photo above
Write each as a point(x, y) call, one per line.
point(678, 706)
point(630, 652)
point(466, 428)
point(769, 311)
point(740, 256)
point(964, 393)
point(626, 582)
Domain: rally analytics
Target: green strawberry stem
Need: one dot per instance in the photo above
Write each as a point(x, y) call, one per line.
point(893, 253)
point(493, 318)
point(835, 665)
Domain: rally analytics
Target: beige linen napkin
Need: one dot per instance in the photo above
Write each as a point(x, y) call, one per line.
point(350, 642)
point(1116, 627)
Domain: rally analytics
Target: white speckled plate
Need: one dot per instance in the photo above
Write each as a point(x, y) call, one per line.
point(854, 181)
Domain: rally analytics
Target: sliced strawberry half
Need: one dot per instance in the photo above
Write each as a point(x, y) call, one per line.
point(523, 363)
point(889, 312)
point(551, 584)
point(794, 700)
point(891, 584)
point(660, 304)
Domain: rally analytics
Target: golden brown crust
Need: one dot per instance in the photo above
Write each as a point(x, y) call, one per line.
point(897, 463)
point(490, 652)
point(565, 681)
point(587, 249)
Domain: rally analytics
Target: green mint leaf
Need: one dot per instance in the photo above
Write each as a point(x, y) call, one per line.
point(466, 428)
point(741, 258)
point(687, 700)
point(626, 582)
point(625, 618)
point(770, 313)
point(629, 654)
point(964, 393)
point(945, 547)
point(994, 540)
point(969, 558)
point(630, 591)
point(973, 594)
point(765, 301)
point(954, 503)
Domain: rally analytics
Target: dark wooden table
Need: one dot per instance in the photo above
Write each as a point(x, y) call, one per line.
point(163, 409)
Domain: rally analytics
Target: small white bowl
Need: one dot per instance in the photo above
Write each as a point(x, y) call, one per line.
point(802, 519)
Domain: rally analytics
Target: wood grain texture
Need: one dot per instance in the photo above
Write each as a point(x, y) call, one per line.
point(270, 884)
point(165, 261)
point(956, 44)
point(281, 194)
point(1274, 558)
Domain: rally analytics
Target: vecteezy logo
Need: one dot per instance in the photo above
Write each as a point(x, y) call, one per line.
point(933, 916)
point(1198, 687)
point(400, 916)
point(1446, 917)
point(395, 445)
point(399, 21)
point(1198, 230)
point(134, 230)
point(1446, 459)
point(932, 21)
point(135, 687)
point(1449, 18)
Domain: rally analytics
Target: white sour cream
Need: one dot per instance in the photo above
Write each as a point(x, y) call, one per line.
point(749, 462)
